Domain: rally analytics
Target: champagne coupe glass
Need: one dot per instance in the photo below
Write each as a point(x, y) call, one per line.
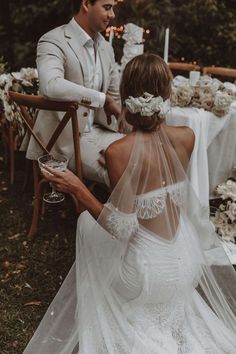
point(58, 163)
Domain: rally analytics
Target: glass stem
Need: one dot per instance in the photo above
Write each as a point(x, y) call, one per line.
point(53, 189)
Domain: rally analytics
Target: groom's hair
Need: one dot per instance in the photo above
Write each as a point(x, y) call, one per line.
point(77, 4)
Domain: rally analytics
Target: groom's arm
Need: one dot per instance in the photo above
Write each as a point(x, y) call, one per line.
point(114, 77)
point(53, 85)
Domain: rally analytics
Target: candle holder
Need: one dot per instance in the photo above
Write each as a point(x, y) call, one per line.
point(194, 76)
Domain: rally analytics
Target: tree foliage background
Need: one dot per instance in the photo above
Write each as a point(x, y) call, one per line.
point(200, 30)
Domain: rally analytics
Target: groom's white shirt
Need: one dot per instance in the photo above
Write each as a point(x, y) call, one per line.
point(68, 71)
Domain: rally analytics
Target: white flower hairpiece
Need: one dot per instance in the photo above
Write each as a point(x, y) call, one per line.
point(146, 105)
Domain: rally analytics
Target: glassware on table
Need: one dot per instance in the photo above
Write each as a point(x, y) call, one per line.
point(194, 76)
point(58, 163)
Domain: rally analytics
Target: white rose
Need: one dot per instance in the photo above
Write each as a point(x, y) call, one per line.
point(222, 103)
point(174, 96)
point(231, 212)
point(146, 110)
point(220, 219)
point(184, 95)
point(216, 85)
point(130, 105)
point(207, 101)
point(3, 79)
point(17, 75)
point(228, 232)
point(29, 74)
point(227, 190)
point(205, 80)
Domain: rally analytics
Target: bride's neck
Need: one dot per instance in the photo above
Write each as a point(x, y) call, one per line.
point(137, 129)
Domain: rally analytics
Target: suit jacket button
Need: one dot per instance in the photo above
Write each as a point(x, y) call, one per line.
point(85, 114)
point(86, 101)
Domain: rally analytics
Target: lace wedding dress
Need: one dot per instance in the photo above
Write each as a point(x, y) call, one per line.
point(150, 275)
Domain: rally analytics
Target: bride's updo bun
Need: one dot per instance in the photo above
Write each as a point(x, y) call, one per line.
point(146, 73)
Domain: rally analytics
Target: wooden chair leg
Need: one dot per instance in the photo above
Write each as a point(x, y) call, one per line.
point(36, 210)
point(37, 201)
point(28, 169)
point(11, 154)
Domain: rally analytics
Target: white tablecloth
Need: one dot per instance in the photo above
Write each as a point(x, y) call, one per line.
point(215, 147)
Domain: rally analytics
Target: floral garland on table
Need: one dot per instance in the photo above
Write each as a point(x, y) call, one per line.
point(209, 94)
point(24, 81)
point(225, 216)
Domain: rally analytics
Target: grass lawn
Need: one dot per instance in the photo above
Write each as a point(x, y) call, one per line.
point(31, 272)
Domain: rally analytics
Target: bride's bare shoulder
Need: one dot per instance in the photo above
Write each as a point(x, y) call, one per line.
point(121, 146)
point(181, 135)
point(117, 157)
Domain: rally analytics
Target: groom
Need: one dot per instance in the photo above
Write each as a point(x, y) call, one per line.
point(75, 63)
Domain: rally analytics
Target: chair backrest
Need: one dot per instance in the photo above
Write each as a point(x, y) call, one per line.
point(183, 66)
point(24, 101)
point(219, 71)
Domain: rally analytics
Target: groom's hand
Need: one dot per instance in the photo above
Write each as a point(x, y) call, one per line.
point(111, 108)
point(101, 160)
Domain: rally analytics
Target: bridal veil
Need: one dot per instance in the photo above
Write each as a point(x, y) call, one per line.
point(93, 308)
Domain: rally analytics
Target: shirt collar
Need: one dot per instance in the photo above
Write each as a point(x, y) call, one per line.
point(84, 37)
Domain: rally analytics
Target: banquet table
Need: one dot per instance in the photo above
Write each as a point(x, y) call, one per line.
point(215, 147)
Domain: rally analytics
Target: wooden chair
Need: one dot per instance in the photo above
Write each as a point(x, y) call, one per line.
point(24, 102)
point(10, 142)
point(183, 66)
point(219, 71)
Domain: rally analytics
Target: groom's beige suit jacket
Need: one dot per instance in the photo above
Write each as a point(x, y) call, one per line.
point(63, 76)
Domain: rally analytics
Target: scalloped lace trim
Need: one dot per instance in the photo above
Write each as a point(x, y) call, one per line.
point(149, 207)
point(120, 224)
point(177, 193)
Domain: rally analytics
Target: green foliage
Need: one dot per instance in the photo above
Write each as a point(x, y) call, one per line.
point(200, 30)
point(22, 24)
point(3, 66)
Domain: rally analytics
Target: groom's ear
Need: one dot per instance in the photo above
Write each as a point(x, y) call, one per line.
point(85, 5)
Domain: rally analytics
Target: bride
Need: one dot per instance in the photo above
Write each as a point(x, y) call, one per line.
point(150, 274)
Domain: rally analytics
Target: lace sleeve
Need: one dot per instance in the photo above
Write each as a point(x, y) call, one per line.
point(120, 224)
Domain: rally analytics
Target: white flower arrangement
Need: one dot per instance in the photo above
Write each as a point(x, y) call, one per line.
point(209, 94)
point(146, 105)
point(225, 216)
point(133, 36)
point(25, 81)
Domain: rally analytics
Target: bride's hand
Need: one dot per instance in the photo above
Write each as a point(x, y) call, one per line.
point(64, 181)
point(68, 182)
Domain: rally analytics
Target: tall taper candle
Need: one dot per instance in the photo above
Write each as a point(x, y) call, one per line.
point(111, 35)
point(166, 47)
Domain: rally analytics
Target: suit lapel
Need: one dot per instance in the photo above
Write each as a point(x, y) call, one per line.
point(76, 41)
point(104, 59)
